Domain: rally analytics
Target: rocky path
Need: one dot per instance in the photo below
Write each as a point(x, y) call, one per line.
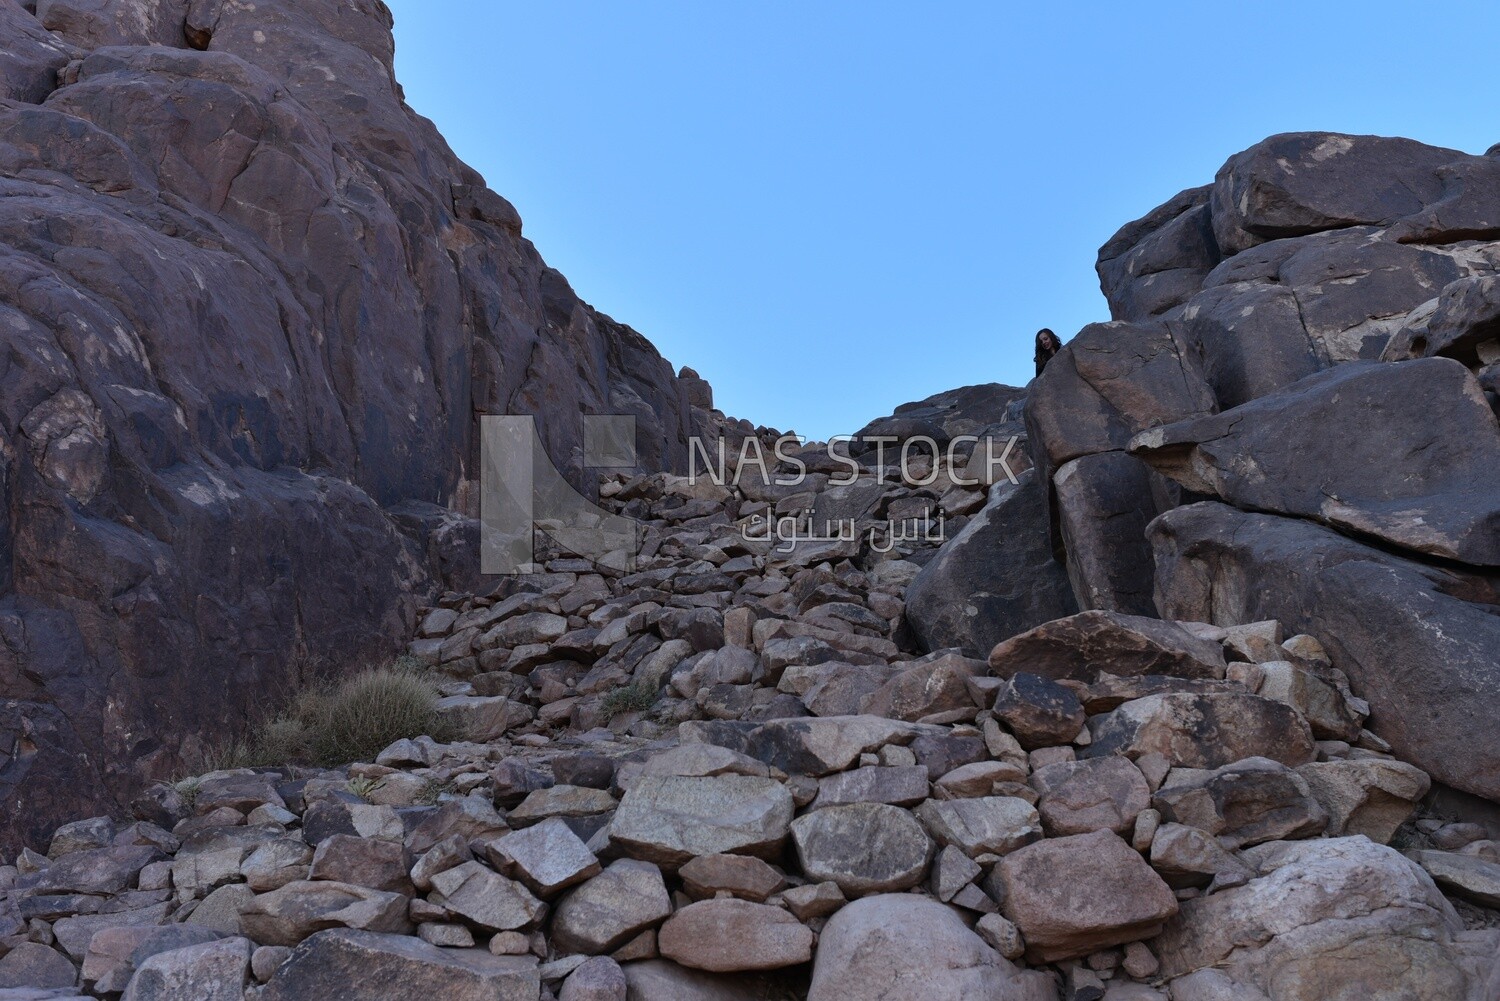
point(727, 775)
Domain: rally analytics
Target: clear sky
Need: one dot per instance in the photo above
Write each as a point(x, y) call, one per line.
point(830, 207)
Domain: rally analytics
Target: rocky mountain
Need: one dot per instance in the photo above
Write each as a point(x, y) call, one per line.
point(1189, 698)
point(252, 306)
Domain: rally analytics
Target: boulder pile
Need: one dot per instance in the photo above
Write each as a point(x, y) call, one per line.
point(1192, 697)
point(729, 774)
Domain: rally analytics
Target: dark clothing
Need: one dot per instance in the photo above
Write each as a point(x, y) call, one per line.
point(1043, 356)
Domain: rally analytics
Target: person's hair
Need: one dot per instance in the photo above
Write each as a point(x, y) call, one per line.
point(1051, 339)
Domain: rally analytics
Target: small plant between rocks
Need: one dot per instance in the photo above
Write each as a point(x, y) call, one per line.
point(332, 723)
point(634, 698)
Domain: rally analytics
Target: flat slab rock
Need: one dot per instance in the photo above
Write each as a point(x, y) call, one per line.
point(669, 819)
point(326, 964)
point(1080, 646)
point(725, 936)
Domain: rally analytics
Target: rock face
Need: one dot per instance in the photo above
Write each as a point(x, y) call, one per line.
point(1418, 465)
point(246, 354)
point(1311, 340)
point(994, 579)
point(247, 340)
point(1431, 673)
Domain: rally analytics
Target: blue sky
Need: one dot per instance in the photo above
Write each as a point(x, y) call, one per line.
point(829, 208)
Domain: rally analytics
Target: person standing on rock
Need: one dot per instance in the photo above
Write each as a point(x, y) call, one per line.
point(1047, 345)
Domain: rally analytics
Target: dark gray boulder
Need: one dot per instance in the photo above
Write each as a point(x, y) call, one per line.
point(1463, 323)
point(347, 964)
point(1109, 383)
point(994, 579)
point(1407, 452)
point(1421, 644)
point(1161, 259)
point(1104, 503)
point(1304, 182)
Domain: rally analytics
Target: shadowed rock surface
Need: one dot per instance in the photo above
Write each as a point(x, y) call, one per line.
point(251, 306)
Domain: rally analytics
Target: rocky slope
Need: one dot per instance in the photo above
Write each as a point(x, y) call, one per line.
point(1196, 707)
point(728, 776)
point(251, 306)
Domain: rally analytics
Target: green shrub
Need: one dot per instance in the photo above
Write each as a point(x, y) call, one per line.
point(338, 722)
point(633, 698)
point(368, 712)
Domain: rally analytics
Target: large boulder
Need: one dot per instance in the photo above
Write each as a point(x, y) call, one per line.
point(1075, 895)
point(671, 818)
point(903, 945)
point(1204, 730)
point(995, 578)
point(209, 971)
point(1431, 671)
point(1458, 322)
point(1407, 453)
point(1108, 384)
point(1304, 182)
point(1159, 260)
point(863, 847)
point(1330, 920)
point(1081, 646)
point(344, 965)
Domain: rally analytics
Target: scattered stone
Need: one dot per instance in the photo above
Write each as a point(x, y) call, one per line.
point(993, 825)
point(1039, 711)
point(671, 819)
point(608, 910)
point(862, 847)
point(898, 786)
point(742, 875)
point(380, 865)
point(729, 935)
point(485, 898)
point(598, 978)
point(548, 857)
point(289, 914)
point(1076, 797)
point(814, 900)
point(1072, 896)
